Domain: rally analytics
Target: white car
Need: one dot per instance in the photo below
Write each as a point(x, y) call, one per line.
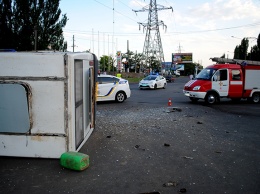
point(153, 82)
point(112, 88)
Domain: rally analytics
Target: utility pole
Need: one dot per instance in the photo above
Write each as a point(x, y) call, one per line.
point(152, 44)
point(128, 61)
point(73, 43)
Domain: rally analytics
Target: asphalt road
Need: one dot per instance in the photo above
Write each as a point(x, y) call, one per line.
point(140, 147)
point(174, 91)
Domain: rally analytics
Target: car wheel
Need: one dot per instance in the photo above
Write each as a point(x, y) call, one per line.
point(211, 98)
point(164, 86)
point(155, 86)
point(120, 97)
point(255, 97)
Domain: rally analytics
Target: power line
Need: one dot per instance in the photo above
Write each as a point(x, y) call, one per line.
point(217, 29)
point(115, 11)
point(169, 33)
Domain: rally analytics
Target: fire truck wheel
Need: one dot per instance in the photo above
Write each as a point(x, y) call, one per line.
point(255, 97)
point(211, 98)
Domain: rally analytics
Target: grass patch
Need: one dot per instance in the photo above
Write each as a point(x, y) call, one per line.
point(133, 79)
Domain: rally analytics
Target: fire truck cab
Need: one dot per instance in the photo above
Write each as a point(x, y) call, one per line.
point(228, 78)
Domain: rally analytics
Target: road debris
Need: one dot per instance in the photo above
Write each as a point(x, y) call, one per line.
point(173, 109)
point(183, 190)
point(187, 157)
point(170, 184)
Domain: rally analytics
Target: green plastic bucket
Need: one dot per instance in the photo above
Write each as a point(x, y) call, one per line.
point(74, 161)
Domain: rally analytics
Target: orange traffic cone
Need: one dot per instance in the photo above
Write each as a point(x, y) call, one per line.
point(169, 102)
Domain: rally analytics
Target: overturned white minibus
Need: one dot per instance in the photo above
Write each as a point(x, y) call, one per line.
point(47, 102)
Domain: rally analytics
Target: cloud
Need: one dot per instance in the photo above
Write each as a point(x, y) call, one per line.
point(226, 10)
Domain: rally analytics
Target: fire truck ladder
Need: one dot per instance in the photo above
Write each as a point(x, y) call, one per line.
point(235, 61)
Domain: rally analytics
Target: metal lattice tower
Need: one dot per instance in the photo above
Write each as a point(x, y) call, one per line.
point(153, 44)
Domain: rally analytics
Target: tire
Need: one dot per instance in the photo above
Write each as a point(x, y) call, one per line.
point(155, 86)
point(211, 98)
point(255, 98)
point(194, 100)
point(164, 86)
point(120, 97)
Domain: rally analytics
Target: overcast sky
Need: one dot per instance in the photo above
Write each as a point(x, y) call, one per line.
point(202, 27)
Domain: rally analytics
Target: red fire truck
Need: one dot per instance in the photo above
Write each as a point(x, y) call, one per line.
point(228, 78)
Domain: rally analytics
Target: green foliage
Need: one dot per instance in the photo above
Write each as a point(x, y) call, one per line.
point(189, 68)
point(23, 20)
point(241, 51)
point(106, 63)
point(134, 61)
point(255, 51)
point(6, 34)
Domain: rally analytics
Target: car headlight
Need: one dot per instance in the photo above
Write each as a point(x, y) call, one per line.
point(196, 88)
point(123, 82)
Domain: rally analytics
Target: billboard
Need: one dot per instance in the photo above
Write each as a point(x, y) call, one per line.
point(119, 60)
point(181, 57)
point(172, 66)
point(166, 65)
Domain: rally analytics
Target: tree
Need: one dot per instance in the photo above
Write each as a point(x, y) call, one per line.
point(133, 61)
point(107, 63)
point(236, 53)
point(137, 61)
point(154, 64)
point(32, 19)
point(6, 33)
point(255, 51)
point(241, 50)
point(189, 68)
point(129, 59)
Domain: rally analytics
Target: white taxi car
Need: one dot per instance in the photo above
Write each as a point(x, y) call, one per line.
point(112, 88)
point(153, 82)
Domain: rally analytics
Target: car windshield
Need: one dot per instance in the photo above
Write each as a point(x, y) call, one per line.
point(150, 77)
point(206, 74)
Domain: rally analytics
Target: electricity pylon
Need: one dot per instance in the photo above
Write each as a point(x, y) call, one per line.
point(153, 44)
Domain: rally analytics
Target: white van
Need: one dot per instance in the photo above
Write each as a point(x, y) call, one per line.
point(112, 88)
point(47, 102)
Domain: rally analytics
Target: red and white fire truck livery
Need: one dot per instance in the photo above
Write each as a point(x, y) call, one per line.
point(228, 78)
